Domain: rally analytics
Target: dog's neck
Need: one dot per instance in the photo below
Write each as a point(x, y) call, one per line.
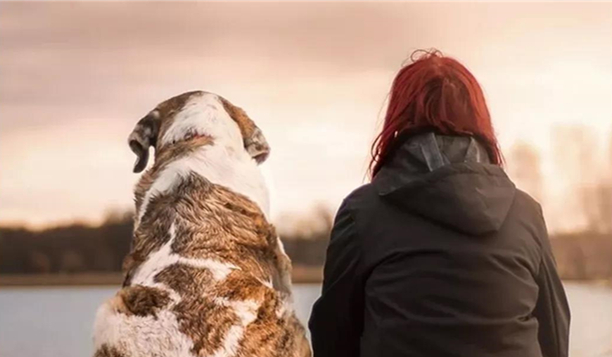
point(220, 164)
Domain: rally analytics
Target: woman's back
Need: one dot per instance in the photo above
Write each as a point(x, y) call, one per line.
point(452, 258)
point(440, 255)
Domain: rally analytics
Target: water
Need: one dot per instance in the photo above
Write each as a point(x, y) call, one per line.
point(49, 322)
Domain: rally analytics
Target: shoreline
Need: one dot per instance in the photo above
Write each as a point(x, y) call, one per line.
point(301, 275)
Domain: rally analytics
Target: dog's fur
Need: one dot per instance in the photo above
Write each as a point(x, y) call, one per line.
point(207, 274)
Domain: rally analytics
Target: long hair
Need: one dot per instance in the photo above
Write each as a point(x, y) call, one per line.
point(434, 93)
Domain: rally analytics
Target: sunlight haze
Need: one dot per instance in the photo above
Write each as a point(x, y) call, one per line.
point(76, 77)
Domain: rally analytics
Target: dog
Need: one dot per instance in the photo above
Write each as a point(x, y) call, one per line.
point(206, 275)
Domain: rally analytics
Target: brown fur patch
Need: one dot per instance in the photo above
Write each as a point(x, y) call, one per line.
point(216, 223)
point(169, 108)
point(267, 334)
point(246, 125)
point(175, 104)
point(143, 300)
point(186, 280)
point(151, 234)
point(108, 351)
point(240, 286)
point(273, 336)
point(180, 149)
point(200, 317)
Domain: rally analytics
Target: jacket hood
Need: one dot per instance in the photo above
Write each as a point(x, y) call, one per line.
point(449, 180)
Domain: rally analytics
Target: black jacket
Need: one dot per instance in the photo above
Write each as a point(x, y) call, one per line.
point(440, 256)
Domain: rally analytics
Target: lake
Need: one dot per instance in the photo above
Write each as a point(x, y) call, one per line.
point(49, 322)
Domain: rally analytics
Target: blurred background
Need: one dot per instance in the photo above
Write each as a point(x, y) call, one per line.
point(76, 76)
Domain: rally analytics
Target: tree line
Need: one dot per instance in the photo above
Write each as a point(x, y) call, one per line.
point(79, 248)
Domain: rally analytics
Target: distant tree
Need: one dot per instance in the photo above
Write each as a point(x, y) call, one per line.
point(116, 216)
point(71, 262)
point(39, 262)
point(575, 150)
point(324, 215)
point(525, 168)
point(305, 238)
point(314, 225)
point(600, 207)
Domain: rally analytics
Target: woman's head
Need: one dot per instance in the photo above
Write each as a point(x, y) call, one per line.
point(434, 93)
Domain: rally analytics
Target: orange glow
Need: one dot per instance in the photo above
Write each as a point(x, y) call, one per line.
point(75, 77)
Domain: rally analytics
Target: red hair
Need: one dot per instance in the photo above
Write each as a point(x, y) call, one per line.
point(434, 93)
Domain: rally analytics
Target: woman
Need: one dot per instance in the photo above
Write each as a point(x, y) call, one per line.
point(440, 255)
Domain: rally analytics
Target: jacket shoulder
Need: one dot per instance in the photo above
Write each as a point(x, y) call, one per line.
point(362, 196)
point(526, 203)
point(529, 211)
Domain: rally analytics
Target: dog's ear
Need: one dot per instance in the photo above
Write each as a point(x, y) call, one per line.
point(257, 146)
point(142, 137)
point(254, 141)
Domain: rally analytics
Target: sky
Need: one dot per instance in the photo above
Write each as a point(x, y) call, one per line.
point(75, 78)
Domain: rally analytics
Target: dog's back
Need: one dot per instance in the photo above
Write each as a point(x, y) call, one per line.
point(207, 275)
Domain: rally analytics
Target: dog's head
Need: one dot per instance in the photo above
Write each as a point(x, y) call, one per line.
point(194, 115)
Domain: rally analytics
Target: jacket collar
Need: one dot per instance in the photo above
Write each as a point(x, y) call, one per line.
point(418, 155)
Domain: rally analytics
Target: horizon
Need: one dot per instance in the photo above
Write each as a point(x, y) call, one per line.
point(74, 87)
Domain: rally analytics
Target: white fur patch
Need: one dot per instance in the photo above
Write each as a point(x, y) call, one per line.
point(280, 245)
point(204, 114)
point(141, 336)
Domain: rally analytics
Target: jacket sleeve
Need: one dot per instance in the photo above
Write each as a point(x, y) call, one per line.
point(552, 309)
point(336, 321)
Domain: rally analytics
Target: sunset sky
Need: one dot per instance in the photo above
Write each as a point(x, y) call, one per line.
point(75, 78)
